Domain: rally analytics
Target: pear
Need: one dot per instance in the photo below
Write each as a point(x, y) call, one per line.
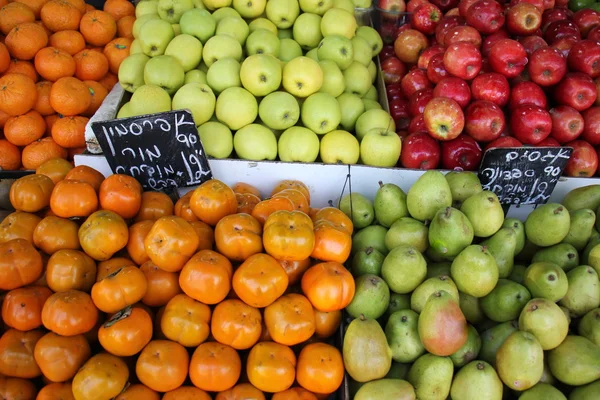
point(520, 361)
point(576, 361)
point(475, 271)
point(586, 392)
point(519, 228)
point(396, 389)
point(502, 245)
point(546, 280)
point(589, 326)
point(583, 294)
point(542, 391)
point(593, 259)
point(548, 225)
point(389, 204)
point(432, 377)
point(407, 231)
point(469, 351)
point(546, 321)
point(427, 195)
point(442, 325)
point(506, 301)
point(403, 336)
point(562, 254)
point(438, 269)
point(493, 338)
point(463, 185)
point(582, 225)
point(476, 381)
point(518, 273)
point(450, 232)
point(587, 257)
point(422, 293)
point(370, 236)
point(371, 297)
point(367, 261)
point(471, 308)
point(397, 302)
point(485, 213)
point(366, 353)
point(583, 197)
point(358, 208)
point(404, 268)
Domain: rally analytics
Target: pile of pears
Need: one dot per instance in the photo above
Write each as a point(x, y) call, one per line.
point(455, 301)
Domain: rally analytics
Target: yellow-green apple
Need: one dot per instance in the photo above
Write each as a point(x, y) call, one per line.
point(333, 79)
point(372, 37)
point(216, 139)
point(255, 142)
point(307, 30)
point(318, 7)
point(198, 98)
point(236, 108)
point(371, 119)
point(339, 147)
point(262, 23)
point(358, 79)
point(131, 71)
point(321, 113)
point(198, 23)
point(235, 27)
point(298, 144)
point(172, 10)
point(263, 41)
point(302, 77)
point(338, 49)
point(223, 74)
point(361, 50)
point(187, 50)
point(195, 75)
point(154, 37)
point(337, 21)
point(380, 148)
point(221, 46)
point(164, 71)
point(149, 99)
point(289, 49)
point(250, 9)
point(261, 74)
point(352, 107)
point(279, 110)
point(282, 13)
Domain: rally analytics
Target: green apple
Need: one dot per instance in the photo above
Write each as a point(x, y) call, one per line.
point(337, 49)
point(307, 31)
point(279, 110)
point(255, 142)
point(198, 23)
point(285, 33)
point(221, 46)
point(225, 12)
point(372, 71)
point(261, 74)
point(262, 23)
point(333, 79)
point(165, 72)
point(313, 54)
point(149, 99)
point(289, 49)
point(199, 4)
point(371, 119)
point(352, 107)
point(202, 67)
point(372, 94)
point(282, 13)
point(318, 7)
point(263, 41)
point(216, 139)
point(298, 144)
point(362, 50)
point(216, 4)
point(137, 25)
point(339, 147)
point(358, 79)
point(347, 5)
point(362, 3)
point(338, 22)
point(198, 98)
point(250, 8)
point(380, 148)
point(372, 37)
point(135, 47)
point(195, 75)
point(172, 10)
point(321, 113)
point(131, 71)
point(176, 29)
point(154, 37)
point(187, 50)
point(302, 77)
point(236, 108)
point(235, 27)
point(125, 111)
point(145, 7)
point(371, 105)
point(223, 74)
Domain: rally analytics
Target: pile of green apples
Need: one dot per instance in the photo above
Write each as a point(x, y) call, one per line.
point(287, 79)
point(455, 301)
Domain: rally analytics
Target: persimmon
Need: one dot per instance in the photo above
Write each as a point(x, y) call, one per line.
point(292, 184)
point(86, 174)
point(162, 365)
point(183, 209)
point(215, 367)
point(336, 216)
point(69, 313)
point(267, 207)
point(320, 368)
point(55, 169)
point(110, 266)
point(54, 233)
point(103, 376)
point(124, 287)
point(22, 308)
point(205, 233)
point(260, 280)
point(327, 323)
point(206, 277)
point(20, 264)
point(127, 332)
point(73, 198)
point(103, 234)
point(186, 321)
point(271, 367)
point(212, 201)
point(289, 235)
point(154, 205)
point(295, 269)
point(297, 198)
point(138, 392)
point(236, 324)
point(245, 188)
point(246, 202)
point(31, 193)
point(295, 393)
point(329, 286)
point(171, 243)
point(241, 391)
point(332, 242)
point(290, 319)
point(162, 285)
point(56, 391)
point(135, 244)
point(18, 225)
point(238, 236)
point(60, 357)
point(312, 213)
point(16, 354)
point(186, 393)
point(121, 194)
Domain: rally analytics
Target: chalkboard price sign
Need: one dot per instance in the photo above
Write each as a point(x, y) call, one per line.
point(162, 151)
point(523, 175)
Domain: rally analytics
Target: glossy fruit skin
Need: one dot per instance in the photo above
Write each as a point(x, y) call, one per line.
point(162, 365)
point(576, 90)
point(186, 393)
point(215, 367)
point(583, 161)
point(20, 264)
point(487, 16)
point(491, 86)
point(122, 288)
point(162, 285)
point(241, 391)
point(238, 236)
point(332, 242)
point(171, 243)
point(16, 354)
point(206, 277)
point(591, 131)
point(503, 141)
point(585, 57)
point(69, 313)
point(320, 368)
point(60, 357)
point(290, 319)
point(484, 121)
point(127, 332)
point(444, 119)
point(212, 201)
point(462, 153)
point(260, 280)
point(236, 324)
point(186, 321)
point(547, 66)
point(531, 124)
point(329, 286)
point(277, 367)
point(31, 193)
point(420, 151)
point(454, 88)
point(102, 377)
point(93, 235)
point(567, 124)
point(22, 308)
point(289, 235)
point(527, 93)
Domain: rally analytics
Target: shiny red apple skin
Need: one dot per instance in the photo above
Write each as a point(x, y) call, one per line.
point(490, 40)
point(564, 45)
point(462, 33)
point(419, 100)
point(560, 29)
point(547, 66)
point(539, 4)
point(444, 119)
point(445, 5)
point(508, 57)
point(409, 45)
point(392, 70)
point(585, 57)
point(548, 142)
point(532, 43)
point(417, 124)
point(584, 160)
point(425, 18)
point(464, 5)
point(412, 5)
point(426, 55)
point(454, 88)
point(577, 90)
point(446, 23)
point(586, 19)
point(386, 52)
point(484, 121)
point(487, 16)
point(549, 4)
point(591, 131)
point(491, 86)
point(530, 124)
point(523, 19)
point(436, 70)
point(420, 151)
point(527, 93)
point(463, 60)
point(503, 141)
point(392, 5)
point(556, 14)
point(462, 153)
point(394, 91)
point(594, 34)
point(597, 83)
point(567, 124)
point(399, 111)
point(415, 79)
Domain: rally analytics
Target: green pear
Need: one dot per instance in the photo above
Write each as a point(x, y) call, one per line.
point(367, 261)
point(518, 273)
point(471, 308)
point(580, 231)
point(475, 381)
point(546, 321)
point(586, 392)
point(589, 326)
point(398, 371)
point(576, 361)
point(404, 268)
point(475, 271)
point(427, 195)
point(386, 388)
point(519, 228)
point(593, 259)
point(493, 338)
point(358, 208)
point(506, 301)
point(469, 351)
point(583, 294)
point(450, 231)
point(442, 325)
point(548, 225)
point(438, 269)
point(563, 254)
point(370, 236)
point(546, 280)
point(542, 391)
point(389, 204)
point(422, 293)
point(407, 231)
point(485, 213)
point(366, 353)
point(463, 185)
point(371, 297)
point(402, 335)
point(520, 361)
point(432, 377)
point(583, 197)
point(584, 257)
point(398, 302)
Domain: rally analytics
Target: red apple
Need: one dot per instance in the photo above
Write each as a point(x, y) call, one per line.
point(549, 4)
point(487, 16)
point(392, 70)
point(446, 23)
point(491, 86)
point(386, 52)
point(591, 131)
point(419, 100)
point(547, 66)
point(523, 19)
point(463, 60)
point(394, 91)
point(527, 93)
point(560, 29)
point(564, 45)
point(454, 88)
point(508, 57)
point(585, 57)
point(392, 5)
point(597, 83)
point(464, 5)
point(412, 5)
point(548, 142)
point(426, 55)
point(415, 79)
point(420, 151)
point(490, 40)
point(577, 90)
point(586, 19)
point(561, 3)
point(462, 153)
point(417, 124)
point(444, 119)
point(425, 18)
point(594, 34)
point(530, 124)
point(539, 4)
point(462, 33)
point(484, 121)
point(445, 5)
point(504, 141)
point(399, 110)
point(567, 123)
point(532, 43)
point(550, 16)
point(409, 45)
point(436, 71)
point(452, 11)
point(583, 161)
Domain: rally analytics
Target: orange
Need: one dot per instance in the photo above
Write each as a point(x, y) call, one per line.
point(70, 41)
point(10, 156)
point(25, 40)
point(70, 96)
point(36, 153)
point(98, 93)
point(53, 64)
point(98, 27)
point(90, 65)
point(25, 129)
point(69, 132)
point(18, 94)
point(14, 14)
point(42, 104)
point(60, 15)
point(119, 8)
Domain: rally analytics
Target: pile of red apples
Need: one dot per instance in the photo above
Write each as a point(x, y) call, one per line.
point(465, 76)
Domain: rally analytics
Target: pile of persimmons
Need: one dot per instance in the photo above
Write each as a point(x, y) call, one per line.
point(113, 292)
point(58, 61)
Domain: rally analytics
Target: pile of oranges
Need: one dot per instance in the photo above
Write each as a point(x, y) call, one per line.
point(113, 292)
point(58, 61)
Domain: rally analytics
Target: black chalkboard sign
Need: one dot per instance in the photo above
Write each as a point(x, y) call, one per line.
point(162, 151)
point(523, 175)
